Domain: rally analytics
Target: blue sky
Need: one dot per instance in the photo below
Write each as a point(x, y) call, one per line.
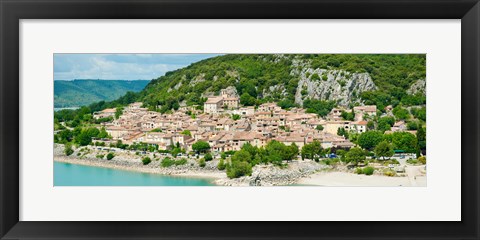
point(120, 66)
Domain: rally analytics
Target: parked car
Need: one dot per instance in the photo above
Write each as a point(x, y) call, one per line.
point(332, 155)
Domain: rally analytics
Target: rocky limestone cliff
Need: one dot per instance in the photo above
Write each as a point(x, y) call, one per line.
point(339, 85)
point(418, 86)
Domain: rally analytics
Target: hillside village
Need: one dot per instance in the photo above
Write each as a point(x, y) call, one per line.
point(262, 119)
point(215, 125)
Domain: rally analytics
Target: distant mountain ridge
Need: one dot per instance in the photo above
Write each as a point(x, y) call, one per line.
point(82, 92)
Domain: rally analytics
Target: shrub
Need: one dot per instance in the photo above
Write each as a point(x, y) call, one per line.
point(332, 161)
point(221, 165)
point(167, 162)
point(110, 156)
point(392, 161)
point(146, 160)
point(412, 161)
point(315, 76)
point(182, 161)
point(100, 156)
point(238, 169)
point(208, 157)
point(202, 163)
point(389, 173)
point(368, 170)
point(358, 171)
point(422, 159)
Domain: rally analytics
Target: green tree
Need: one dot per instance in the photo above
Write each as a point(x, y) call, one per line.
point(384, 149)
point(202, 163)
point(208, 157)
point(421, 139)
point(291, 152)
point(201, 146)
point(412, 125)
point(238, 169)
point(250, 149)
point(403, 141)
point(349, 116)
point(187, 133)
point(319, 127)
point(221, 165)
point(247, 100)
point(311, 150)
point(342, 153)
point(420, 113)
point(369, 140)
point(118, 112)
point(385, 123)
point(83, 139)
point(342, 132)
point(235, 117)
point(320, 107)
point(103, 133)
point(401, 113)
point(241, 156)
point(87, 117)
point(68, 149)
point(370, 125)
point(65, 136)
point(355, 155)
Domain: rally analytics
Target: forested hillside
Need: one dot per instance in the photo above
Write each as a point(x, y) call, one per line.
point(83, 92)
point(291, 79)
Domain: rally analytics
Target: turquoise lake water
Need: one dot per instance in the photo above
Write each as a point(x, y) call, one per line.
point(66, 174)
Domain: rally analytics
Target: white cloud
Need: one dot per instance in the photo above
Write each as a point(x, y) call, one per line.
point(119, 66)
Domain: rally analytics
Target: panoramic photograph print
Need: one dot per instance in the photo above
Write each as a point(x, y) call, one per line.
point(332, 120)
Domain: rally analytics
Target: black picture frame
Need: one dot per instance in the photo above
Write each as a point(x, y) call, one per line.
point(12, 11)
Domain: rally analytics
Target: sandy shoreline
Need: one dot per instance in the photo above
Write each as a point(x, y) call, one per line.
point(330, 179)
point(415, 177)
point(337, 179)
point(307, 173)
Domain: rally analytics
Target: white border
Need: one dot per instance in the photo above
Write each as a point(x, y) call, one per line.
point(440, 39)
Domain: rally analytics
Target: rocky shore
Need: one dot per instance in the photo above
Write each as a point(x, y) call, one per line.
point(263, 175)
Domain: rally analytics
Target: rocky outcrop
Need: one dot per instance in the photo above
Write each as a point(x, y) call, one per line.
point(270, 175)
point(276, 89)
point(418, 86)
point(339, 85)
point(198, 79)
point(230, 91)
